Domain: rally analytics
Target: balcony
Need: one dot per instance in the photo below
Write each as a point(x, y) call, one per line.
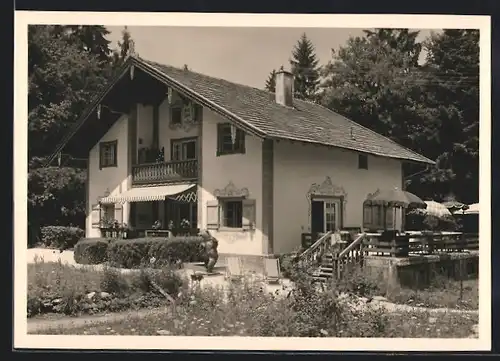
point(164, 172)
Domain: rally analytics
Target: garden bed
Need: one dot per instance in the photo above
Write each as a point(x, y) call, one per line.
point(251, 313)
point(54, 287)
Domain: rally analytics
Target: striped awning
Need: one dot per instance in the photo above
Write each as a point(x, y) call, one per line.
point(150, 194)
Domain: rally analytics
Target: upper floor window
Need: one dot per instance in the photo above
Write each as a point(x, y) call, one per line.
point(183, 149)
point(197, 113)
point(362, 161)
point(176, 115)
point(108, 154)
point(229, 142)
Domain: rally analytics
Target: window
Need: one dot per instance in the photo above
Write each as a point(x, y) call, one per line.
point(225, 141)
point(176, 115)
point(375, 217)
point(183, 149)
point(108, 213)
point(362, 161)
point(198, 113)
point(107, 154)
point(231, 213)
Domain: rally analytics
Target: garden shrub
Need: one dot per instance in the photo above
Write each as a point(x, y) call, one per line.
point(114, 282)
point(91, 250)
point(165, 278)
point(133, 253)
point(61, 237)
point(287, 262)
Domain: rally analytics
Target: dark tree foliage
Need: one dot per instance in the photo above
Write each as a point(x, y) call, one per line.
point(432, 108)
point(67, 66)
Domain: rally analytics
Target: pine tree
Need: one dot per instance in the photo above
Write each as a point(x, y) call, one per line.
point(271, 82)
point(92, 38)
point(305, 69)
point(126, 47)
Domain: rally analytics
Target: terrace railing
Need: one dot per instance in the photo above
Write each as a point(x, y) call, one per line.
point(164, 172)
point(419, 243)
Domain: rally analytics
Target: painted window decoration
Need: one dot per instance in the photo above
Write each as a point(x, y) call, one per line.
point(231, 209)
point(362, 161)
point(230, 140)
point(183, 149)
point(108, 154)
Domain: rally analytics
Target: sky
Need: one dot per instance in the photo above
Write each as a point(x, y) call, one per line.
point(241, 55)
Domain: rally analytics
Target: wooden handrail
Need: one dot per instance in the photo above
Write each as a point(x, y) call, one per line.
point(315, 244)
point(350, 247)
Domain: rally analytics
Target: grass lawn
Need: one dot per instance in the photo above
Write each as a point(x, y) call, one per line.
point(407, 325)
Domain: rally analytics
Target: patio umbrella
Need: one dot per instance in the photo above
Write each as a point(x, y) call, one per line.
point(454, 206)
point(396, 198)
point(434, 209)
point(472, 209)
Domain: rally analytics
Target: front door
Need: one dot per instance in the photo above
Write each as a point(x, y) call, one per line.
point(325, 215)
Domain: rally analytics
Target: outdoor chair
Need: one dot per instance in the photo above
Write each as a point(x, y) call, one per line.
point(272, 270)
point(234, 270)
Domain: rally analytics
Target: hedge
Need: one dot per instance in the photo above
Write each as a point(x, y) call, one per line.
point(132, 253)
point(61, 237)
point(91, 250)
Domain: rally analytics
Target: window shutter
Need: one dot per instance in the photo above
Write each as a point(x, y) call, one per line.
point(242, 141)
point(367, 216)
point(220, 128)
point(96, 215)
point(248, 213)
point(389, 218)
point(119, 213)
point(213, 218)
point(115, 153)
point(100, 156)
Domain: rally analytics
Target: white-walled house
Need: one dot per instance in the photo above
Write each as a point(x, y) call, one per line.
point(255, 168)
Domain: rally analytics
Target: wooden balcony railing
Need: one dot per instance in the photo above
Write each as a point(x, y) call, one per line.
point(165, 172)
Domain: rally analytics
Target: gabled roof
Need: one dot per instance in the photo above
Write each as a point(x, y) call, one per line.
point(257, 112)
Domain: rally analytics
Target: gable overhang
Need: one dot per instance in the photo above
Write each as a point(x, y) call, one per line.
point(87, 112)
point(192, 95)
point(164, 79)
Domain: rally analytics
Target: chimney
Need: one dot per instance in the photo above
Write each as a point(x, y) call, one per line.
point(284, 88)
